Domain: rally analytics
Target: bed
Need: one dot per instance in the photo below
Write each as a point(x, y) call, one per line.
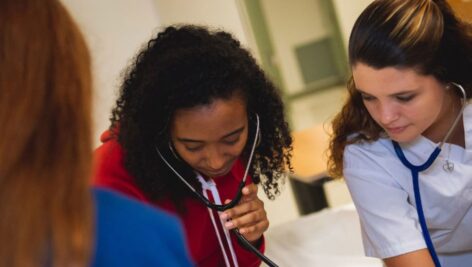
point(328, 238)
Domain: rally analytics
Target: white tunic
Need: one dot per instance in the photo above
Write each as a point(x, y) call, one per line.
point(382, 190)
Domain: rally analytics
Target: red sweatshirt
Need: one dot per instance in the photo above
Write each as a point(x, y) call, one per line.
point(204, 242)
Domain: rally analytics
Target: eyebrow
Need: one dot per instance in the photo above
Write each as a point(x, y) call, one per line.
point(395, 94)
point(189, 140)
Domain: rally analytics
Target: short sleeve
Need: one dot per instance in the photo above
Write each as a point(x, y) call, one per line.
point(388, 219)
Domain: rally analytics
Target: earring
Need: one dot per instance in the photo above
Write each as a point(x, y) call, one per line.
point(171, 148)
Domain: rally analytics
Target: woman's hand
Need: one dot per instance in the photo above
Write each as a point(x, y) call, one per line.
point(249, 216)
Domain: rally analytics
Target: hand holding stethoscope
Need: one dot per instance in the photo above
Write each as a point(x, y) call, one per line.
point(249, 216)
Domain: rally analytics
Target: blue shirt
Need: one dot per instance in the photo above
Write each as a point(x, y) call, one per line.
point(129, 233)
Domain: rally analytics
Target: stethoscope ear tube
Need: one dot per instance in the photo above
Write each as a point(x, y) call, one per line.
point(246, 244)
point(458, 118)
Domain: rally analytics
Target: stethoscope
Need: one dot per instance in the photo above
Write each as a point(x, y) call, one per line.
point(416, 169)
point(234, 201)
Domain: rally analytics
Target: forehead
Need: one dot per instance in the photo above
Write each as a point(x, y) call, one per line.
point(210, 121)
point(387, 80)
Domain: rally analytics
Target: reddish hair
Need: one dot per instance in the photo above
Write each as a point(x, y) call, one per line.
point(45, 144)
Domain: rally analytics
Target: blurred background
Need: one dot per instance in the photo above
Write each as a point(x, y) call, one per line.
point(301, 44)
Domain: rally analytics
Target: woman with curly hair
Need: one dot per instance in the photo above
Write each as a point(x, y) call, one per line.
point(196, 111)
point(411, 62)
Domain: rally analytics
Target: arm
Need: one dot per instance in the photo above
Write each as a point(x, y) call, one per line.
point(111, 173)
point(379, 186)
point(419, 258)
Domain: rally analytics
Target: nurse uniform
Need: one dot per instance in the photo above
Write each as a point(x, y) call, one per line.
point(382, 191)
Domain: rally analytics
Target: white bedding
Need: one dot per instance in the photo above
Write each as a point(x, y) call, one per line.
point(329, 238)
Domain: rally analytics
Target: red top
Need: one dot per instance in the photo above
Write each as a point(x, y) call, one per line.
point(200, 232)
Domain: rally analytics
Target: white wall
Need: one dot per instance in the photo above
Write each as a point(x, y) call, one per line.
point(114, 30)
point(347, 12)
point(291, 24)
point(215, 13)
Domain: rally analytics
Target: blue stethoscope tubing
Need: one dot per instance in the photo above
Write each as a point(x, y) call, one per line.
point(234, 201)
point(416, 169)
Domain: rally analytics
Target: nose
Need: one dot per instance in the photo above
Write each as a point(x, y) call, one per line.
point(215, 159)
point(388, 113)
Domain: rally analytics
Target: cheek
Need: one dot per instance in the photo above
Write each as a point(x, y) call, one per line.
point(425, 112)
point(187, 156)
point(372, 111)
point(238, 149)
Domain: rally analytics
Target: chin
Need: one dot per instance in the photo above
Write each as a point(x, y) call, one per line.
point(403, 139)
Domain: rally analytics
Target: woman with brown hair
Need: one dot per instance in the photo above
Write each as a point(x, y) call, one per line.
point(403, 139)
point(50, 217)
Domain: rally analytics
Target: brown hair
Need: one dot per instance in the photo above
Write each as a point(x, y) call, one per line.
point(421, 34)
point(45, 144)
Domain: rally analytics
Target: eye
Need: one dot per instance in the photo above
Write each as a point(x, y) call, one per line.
point(231, 141)
point(194, 148)
point(405, 98)
point(367, 97)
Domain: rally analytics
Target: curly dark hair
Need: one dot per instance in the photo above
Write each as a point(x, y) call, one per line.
point(187, 66)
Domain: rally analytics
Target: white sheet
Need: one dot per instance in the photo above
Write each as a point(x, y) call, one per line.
point(329, 238)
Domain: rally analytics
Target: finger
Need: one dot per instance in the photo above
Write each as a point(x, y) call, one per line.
point(242, 208)
point(250, 189)
point(256, 230)
point(249, 193)
point(248, 219)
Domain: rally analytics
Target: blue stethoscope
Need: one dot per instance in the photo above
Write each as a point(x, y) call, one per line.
point(416, 169)
point(234, 201)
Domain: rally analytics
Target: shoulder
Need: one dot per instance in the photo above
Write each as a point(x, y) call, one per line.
point(130, 232)
point(115, 205)
point(110, 170)
point(110, 152)
point(363, 152)
point(379, 185)
point(373, 163)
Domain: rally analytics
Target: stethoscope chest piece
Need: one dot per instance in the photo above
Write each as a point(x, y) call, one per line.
point(448, 166)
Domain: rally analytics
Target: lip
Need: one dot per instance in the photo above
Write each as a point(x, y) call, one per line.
point(395, 130)
point(217, 173)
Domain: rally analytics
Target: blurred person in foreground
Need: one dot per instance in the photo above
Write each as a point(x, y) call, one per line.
point(50, 215)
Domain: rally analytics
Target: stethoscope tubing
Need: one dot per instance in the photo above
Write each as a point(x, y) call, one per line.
point(416, 169)
point(246, 244)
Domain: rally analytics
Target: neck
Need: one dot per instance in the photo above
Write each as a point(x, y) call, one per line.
point(452, 107)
